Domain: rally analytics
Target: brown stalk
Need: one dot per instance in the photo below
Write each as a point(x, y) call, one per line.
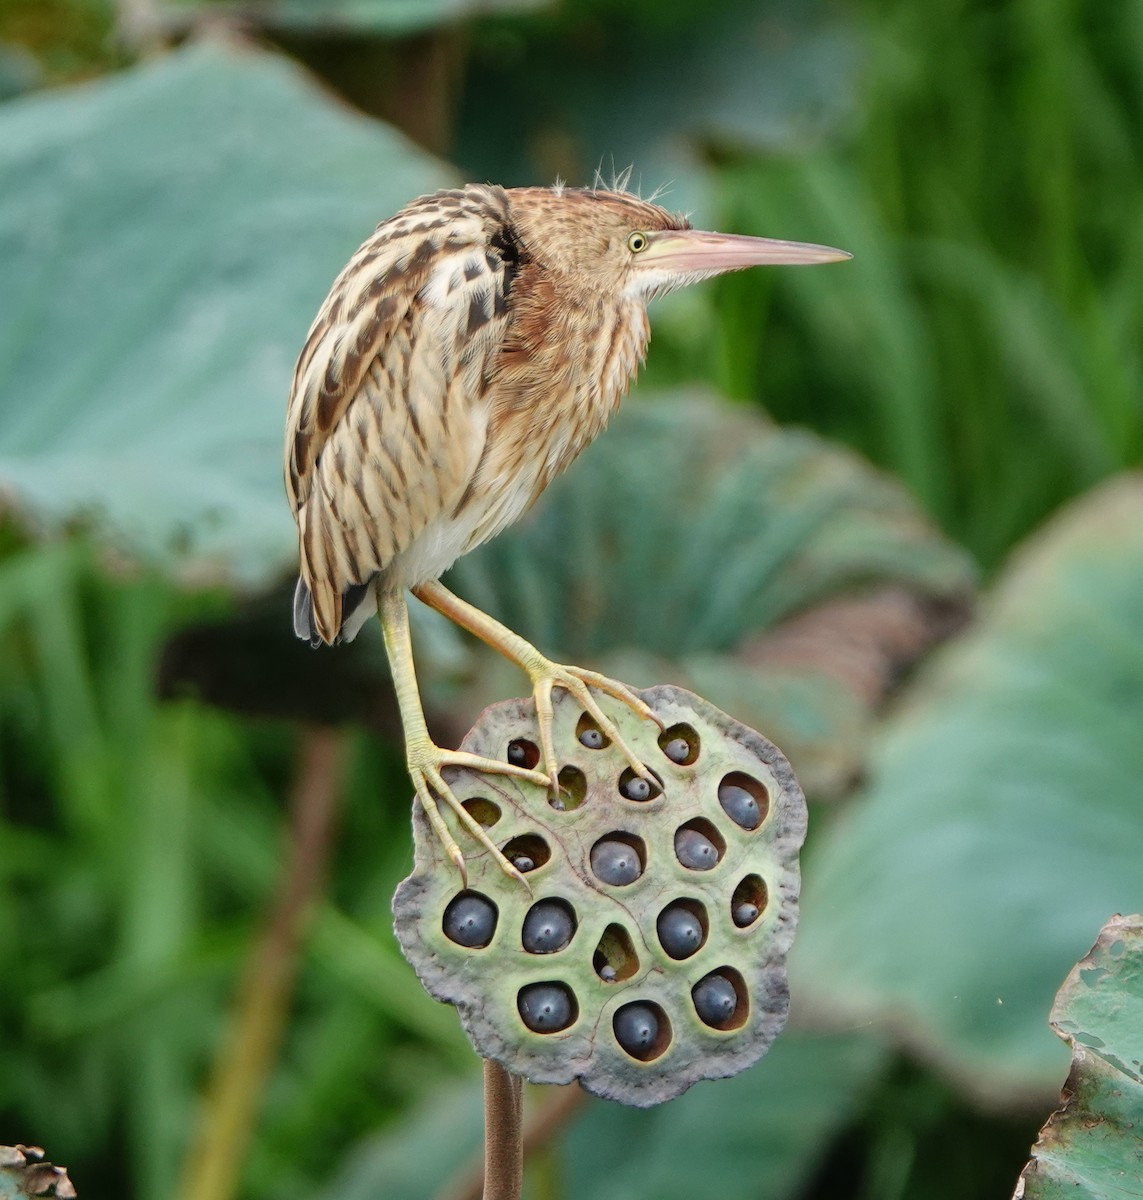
point(506, 1143)
point(247, 1055)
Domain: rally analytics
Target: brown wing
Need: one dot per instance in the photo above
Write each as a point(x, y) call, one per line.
point(386, 418)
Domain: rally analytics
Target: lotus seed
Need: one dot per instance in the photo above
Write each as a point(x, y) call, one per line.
point(470, 920)
point(715, 1000)
point(592, 738)
point(739, 805)
point(615, 862)
point(636, 788)
point(745, 914)
point(522, 753)
point(678, 750)
point(546, 1007)
point(636, 1029)
point(695, 850)
point(548, 927)
point(680, 931)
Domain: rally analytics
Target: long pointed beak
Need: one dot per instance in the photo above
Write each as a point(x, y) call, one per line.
point(688, 250)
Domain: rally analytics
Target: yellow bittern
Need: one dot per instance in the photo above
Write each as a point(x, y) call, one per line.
point(471, 348)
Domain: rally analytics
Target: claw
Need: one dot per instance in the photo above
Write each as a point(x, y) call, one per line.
point(492, 766)
point(545, 716)
point(620, 691)
point(425, 761)
point(544, 675)
point(454, 852)
point(577, 682)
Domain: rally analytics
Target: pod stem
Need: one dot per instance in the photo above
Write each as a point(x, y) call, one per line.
point(503, 1133)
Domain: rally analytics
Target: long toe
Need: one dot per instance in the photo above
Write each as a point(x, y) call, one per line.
point(620, 691)
point(426, 762)
point(578, 682)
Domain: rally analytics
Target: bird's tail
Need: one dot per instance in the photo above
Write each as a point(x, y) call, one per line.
point(357, 603)
point(304, 625)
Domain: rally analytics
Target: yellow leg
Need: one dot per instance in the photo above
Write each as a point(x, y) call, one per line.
point(424, 757)
point(544, 675)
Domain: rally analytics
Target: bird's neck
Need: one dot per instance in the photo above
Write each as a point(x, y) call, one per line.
point(568, 361)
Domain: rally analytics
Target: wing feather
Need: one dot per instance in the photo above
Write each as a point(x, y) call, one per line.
point(386, 420)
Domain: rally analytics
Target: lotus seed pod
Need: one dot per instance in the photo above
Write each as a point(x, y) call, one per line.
point(648, 950)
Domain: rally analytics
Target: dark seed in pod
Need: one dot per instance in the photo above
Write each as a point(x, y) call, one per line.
point(520, 753)
point(739, 805)
point(592, 738)
point(745, 914)
point(695, 850)
point(680, 931)
point(608, 973)
point(715, 999)
point(636, 1028)
point(677, 750)
point(546, 1007)
point(523, 863)
point(615, 862)
point(470, 920)
point(636, 788)
point(547, 927)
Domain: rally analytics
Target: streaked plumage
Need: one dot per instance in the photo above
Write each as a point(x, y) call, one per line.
point(457, 366)
point(471, 348)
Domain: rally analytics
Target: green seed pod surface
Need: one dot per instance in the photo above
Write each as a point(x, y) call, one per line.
point(574, 981)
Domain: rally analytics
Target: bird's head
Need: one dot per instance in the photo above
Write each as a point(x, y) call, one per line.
point(618, 244)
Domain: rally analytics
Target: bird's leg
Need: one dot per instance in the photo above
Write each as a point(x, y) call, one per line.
point(424, 757)
point(544, 675)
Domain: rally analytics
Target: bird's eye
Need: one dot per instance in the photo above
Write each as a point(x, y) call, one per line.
point(637, 242)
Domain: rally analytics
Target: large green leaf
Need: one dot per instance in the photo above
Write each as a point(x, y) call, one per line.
point(19, 71)
point(1003, 817)
point(654, 85)
point(691, 528)
point(166, 237)
point(759, 1134)
point(1091, 1149)
point(393, 17)
point(690, 524)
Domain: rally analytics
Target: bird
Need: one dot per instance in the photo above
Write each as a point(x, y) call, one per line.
point(471, 348)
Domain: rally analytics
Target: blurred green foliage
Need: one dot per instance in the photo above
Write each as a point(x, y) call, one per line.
point(166, 234)
point(986, 346)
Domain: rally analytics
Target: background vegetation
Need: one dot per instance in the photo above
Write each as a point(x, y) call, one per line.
point(201, 822)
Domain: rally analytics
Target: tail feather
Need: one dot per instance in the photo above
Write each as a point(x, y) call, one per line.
point(352, 599)
point(304, 625)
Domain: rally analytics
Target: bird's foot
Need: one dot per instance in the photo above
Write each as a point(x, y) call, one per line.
point(546, 675)
point(426, 761)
